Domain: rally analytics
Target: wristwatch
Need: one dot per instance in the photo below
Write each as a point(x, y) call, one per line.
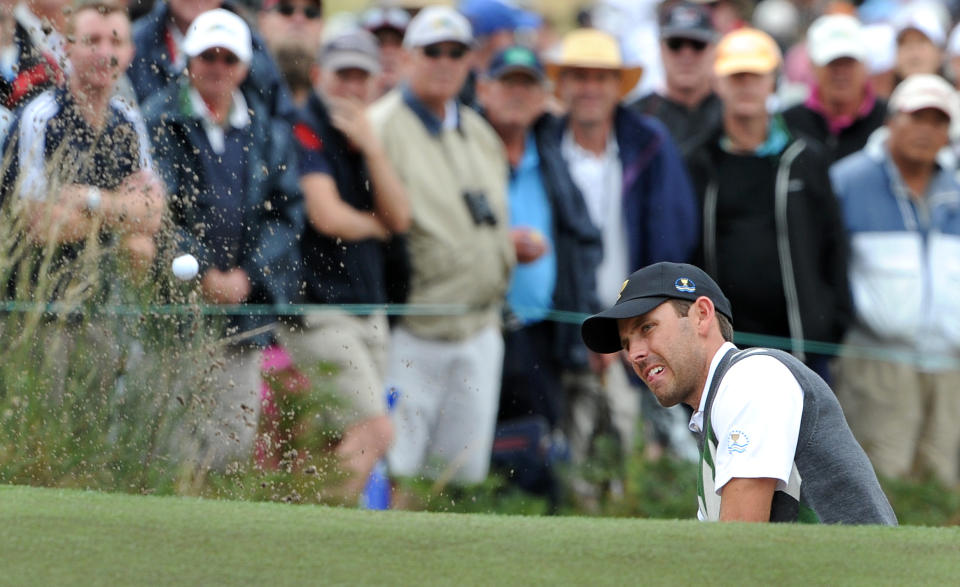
point(94, 199)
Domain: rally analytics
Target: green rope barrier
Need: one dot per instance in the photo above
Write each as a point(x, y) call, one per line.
point(741, 338)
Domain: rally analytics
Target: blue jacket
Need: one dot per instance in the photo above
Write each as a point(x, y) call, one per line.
point(152, 69)
point(660, 208)
point(273, 215)
point(577, 242)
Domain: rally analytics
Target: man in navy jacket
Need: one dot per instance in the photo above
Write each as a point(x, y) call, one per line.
point(236, 205)
point(637, 193)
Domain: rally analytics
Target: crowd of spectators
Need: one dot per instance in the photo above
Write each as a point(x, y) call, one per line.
point(497, 178)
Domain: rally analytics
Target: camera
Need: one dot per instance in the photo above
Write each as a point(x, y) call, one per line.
point(479, 208)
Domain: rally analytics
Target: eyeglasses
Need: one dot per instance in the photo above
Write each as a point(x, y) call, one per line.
point(676, 44)
point(436, 51)
point(310, 12)
point(213, 55)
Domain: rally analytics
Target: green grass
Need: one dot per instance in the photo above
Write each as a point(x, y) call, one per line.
point(72, 537)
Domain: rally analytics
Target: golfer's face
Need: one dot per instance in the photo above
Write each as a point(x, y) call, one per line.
point(663, 350)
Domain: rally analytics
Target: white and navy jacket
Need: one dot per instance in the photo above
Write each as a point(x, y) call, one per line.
point(905, 258)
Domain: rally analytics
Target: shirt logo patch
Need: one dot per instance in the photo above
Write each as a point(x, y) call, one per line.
point(738, 441)
point(685, 285)
point(308, 139)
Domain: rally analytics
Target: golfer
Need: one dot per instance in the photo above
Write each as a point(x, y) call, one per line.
point(774, 444)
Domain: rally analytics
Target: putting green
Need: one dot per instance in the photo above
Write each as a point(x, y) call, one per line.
point(52, 536)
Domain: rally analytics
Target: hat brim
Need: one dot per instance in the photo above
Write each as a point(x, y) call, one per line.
point(351, 60)
point(508, 69)
point(219, 40)
point(759, 65)
point(600, 332)
point(925, 105)
point(682, 33)
point(629, 76)
point(825, 57)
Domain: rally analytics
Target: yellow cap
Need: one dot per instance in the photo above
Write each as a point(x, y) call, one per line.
point(594, 49)
point(746, 50)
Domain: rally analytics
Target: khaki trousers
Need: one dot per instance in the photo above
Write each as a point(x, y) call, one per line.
point(907, 421)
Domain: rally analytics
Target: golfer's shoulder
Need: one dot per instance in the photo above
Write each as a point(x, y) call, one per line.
point(758, 371)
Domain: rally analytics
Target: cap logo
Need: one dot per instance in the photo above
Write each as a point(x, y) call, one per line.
point(519, 56)
point(684, 285)
point(443, 22)
point(622, 287)
point(685, 17)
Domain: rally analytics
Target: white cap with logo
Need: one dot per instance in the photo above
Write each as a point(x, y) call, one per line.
point(834, 36)
point(219, 28)
point(436, 24)
point(924, 90)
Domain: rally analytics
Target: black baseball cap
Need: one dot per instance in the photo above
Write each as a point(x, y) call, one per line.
point(643, 291)
point(686, 20)
point(514, 59)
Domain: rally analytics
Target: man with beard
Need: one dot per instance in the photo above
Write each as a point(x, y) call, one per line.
point(774, 442)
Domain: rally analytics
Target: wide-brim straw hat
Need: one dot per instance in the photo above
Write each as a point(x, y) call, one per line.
point(595, 49)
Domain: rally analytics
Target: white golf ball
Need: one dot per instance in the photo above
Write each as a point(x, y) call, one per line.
point(185, 267)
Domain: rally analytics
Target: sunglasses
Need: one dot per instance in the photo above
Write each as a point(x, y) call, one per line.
point(310, 12)
point(678, 43)
point(212, 56)
point(436, 51)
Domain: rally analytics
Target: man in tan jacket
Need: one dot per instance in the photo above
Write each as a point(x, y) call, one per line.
point(446, 365)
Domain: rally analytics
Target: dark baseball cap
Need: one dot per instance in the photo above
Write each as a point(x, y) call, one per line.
point(514, 59)
point(643, 291)
point(351, 49)
point(687, 21)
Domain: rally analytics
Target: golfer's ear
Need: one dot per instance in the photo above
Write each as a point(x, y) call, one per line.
point(704, 313)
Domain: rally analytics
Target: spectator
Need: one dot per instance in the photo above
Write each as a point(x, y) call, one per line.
point(557, 247)
point(79, 165)
point(447, 368)
point(898, 380)
point(842, 109)
point(236, 207)
point(291, 22)
point(920, 39)
point(27, 67)
point(160, 58)
point(773, 236)
point(688, 107)
point(55, 147)
point(493, 23)
point(881, 58)
point(44, 22)
point(637, 193)
point(354, 203)
point(953, 56)
point(297, 66)
point(388, 24)
point(634, 24)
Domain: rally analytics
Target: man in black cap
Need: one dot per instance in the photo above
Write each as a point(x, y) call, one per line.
point(687, 107)
point(774, 443)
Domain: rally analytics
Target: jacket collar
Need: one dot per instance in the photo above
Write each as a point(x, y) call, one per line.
point(431, 122)
point(838, 124)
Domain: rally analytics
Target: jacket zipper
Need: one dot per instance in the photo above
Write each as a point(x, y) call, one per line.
point(783, 248)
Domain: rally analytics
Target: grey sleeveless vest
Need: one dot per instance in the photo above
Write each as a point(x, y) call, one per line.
point(832, 480)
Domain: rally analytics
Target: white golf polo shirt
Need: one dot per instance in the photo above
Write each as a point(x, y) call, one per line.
point(756, 419)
